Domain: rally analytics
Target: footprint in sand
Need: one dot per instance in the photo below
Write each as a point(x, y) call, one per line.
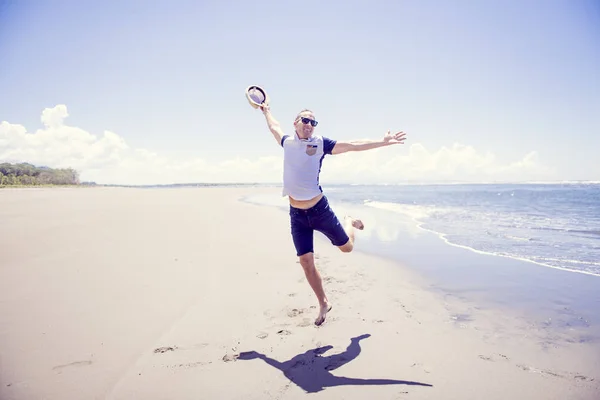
point(284, 332)
point(305, 322)
point(502, 357)
point(538, 371)
point(492, 357)
point(295, 312)
point(331, 279)
point(164, 349)
point(230, 357)
point(565, 375)
point(262, 335)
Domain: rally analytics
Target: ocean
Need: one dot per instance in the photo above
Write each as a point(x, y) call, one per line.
point(553, 225)
point(535, 246)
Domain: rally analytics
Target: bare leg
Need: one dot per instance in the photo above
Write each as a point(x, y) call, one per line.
point(316, 283)
point(349, 225)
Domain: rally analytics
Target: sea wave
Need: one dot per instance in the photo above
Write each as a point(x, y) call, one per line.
point(424, 218)
point(591, 232)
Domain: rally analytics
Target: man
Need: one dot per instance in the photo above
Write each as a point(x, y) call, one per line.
point(309, 208)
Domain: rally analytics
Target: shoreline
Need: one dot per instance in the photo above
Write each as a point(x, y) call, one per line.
point(513, 258)
point(547, 297)
point(141, 294)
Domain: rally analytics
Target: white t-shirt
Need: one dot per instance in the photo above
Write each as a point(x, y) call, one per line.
point(302, 161)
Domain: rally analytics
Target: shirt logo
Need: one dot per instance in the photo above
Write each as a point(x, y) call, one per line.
point(311, 149)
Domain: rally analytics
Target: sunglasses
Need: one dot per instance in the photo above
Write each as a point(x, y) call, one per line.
point(305, 121)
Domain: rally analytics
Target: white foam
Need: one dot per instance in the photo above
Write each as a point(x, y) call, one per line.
point(419, 213)
point(568, 261)
point(445, 239)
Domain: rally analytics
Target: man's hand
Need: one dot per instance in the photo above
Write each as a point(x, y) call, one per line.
point(264, 108)
point(394, 138)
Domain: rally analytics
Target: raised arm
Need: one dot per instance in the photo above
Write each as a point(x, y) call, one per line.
point(361, 145)
point(273, 124)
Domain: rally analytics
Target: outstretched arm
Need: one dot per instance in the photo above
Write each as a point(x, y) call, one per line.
point(273, 363)
point(272, 123)
point(361, 145)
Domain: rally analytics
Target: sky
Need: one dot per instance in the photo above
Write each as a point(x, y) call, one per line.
point(129, 92)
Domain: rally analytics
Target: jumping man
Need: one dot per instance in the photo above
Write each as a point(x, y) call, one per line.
point(309, 207)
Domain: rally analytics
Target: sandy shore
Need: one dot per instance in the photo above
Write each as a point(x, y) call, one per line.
point(114, 293)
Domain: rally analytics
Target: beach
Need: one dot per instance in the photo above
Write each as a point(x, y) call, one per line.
point(191, 293)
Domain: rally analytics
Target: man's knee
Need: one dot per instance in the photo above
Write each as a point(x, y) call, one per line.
point(307, 260)
point(347, 247)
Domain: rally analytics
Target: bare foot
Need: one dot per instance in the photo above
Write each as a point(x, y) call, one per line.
point(322, 313)
point(356, 223)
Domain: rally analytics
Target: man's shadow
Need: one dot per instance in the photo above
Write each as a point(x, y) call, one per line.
point(310, 370)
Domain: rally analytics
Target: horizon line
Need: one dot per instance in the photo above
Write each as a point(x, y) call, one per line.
point(279, 184)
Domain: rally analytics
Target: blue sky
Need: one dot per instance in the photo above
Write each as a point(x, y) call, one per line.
point(136, 92)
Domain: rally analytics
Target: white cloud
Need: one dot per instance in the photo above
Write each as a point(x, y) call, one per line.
point(53, 117)
point(415, 163)
point(108, 159)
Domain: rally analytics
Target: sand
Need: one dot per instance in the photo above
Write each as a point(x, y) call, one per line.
point(121, 293)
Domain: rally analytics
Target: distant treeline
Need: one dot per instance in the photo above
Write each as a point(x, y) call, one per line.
point(25, 174)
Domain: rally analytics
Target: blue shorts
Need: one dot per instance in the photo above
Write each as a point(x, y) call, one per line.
point(319, 217)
